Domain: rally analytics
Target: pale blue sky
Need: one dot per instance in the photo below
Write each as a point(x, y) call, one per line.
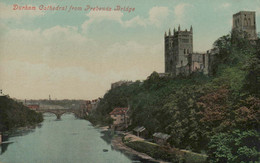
point(78, 54)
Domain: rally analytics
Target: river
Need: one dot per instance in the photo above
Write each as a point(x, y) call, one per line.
point(68, 140)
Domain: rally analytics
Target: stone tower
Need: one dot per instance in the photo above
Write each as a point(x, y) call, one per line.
point(244, 22)
point(178, 46)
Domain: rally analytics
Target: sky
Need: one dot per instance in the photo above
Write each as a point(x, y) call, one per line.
point(78, 54)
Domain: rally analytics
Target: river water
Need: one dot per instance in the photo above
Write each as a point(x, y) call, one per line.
point(68, 140)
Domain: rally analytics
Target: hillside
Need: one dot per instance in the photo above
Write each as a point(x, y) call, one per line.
point(14, 114)
point(218, 115)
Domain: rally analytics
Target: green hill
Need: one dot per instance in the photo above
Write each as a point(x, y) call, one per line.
point(14, 114)
point(217, 114)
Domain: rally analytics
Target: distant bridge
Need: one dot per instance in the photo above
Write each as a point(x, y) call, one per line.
point(60, 112)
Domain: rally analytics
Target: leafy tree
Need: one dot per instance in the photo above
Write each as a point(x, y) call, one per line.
point(237, 146)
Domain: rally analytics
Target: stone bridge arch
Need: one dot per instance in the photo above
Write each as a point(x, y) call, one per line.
point(60, 112)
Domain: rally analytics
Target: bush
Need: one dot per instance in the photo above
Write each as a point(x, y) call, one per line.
point(14, 114)
point(238, 146)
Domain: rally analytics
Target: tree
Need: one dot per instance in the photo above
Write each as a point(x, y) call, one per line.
point(237, 146)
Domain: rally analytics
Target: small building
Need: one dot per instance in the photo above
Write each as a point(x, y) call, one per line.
point(94, 103)
point(140, 131)
point(33, 106)
point(161, 138)
point(119, 115)
point(90, 105)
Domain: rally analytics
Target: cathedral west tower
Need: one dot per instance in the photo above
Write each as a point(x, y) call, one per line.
point(244, 22)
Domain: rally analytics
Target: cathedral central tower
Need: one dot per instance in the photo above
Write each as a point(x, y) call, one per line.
point(178, 46)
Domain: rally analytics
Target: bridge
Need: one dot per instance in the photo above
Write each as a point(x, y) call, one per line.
point(60, 112)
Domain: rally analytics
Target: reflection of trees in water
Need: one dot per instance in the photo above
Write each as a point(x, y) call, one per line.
point(15, 133)
point(107, 136)
point(4, 145)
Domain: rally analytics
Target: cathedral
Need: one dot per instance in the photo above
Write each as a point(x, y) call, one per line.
point(178, 46)
point(244, 23)
point(179, 55)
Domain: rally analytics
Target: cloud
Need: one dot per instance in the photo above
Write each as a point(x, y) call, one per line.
point(180, 9)
point(226, 5)
point(156, 17)
point(63, 61)
point(129, 61)
point(97, 17)
point(29, 80)
point(7, 12)
point(179, 12)
point(158, 14)
point(56, 47)
point(136, 21)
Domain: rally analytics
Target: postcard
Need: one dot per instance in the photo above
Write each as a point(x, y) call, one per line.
point(115, 81)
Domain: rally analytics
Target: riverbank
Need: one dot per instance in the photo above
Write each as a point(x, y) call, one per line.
point(151, 152)
point(119, 145)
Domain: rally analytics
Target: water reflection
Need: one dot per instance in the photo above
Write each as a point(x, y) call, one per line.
point(5, 144)
point(23, 131)
point(107, 136)
point(66, 140)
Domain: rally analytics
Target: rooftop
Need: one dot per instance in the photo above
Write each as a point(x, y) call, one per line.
point(119, 111)
point(139, 129)
point(161, 135)
point(242, 12)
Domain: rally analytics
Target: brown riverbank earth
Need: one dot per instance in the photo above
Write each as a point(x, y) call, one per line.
point(188, 156)
point(119, 145)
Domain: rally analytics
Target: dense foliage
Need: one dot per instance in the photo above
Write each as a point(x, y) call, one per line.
point(199, 111)
point(237, 146)
point(14, 114)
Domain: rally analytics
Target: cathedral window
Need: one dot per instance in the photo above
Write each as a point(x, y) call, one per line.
point(249, 21)
point(237, 22)
point(184, 51)
point(171, 43)
point(203, 59)
point(245, 22)
point(185, 40)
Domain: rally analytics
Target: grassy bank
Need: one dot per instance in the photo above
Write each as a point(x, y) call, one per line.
point(165, 153)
